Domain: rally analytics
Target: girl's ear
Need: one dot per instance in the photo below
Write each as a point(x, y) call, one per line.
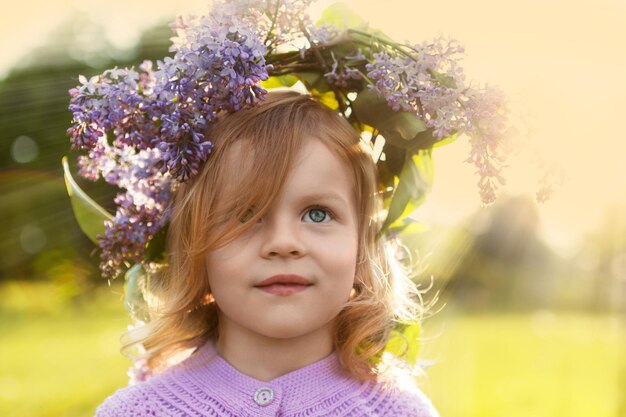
point(207, 299)
point(353, 294)
point(356, 287)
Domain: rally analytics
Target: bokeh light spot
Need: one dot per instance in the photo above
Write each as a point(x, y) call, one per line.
point(32, 238)
point(24, 149)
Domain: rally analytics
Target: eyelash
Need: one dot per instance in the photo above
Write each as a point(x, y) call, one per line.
point(308, 209)
point(326, 209)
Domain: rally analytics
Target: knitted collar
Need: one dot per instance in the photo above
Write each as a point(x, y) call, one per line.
point(315, 384)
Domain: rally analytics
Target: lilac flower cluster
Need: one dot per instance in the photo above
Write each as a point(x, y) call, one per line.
point(115, 102)
point(289, 15)
point(139, 371)
point(141, 210)
point(323, 33)
point(488, 133)
point(277, 22)
point(219, 61)
point(428, 81)
point(128, 233)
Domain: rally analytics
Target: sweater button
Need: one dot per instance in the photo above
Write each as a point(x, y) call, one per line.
point(263, 396)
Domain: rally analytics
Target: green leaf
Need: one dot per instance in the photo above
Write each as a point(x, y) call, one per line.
point(314, 80)
point(155, 248)
point(342, 17)
point(414, 183)
point(426, 140)
point(276, 81)
point(394, 158)
point(404, 342)
point(423, 160)
point(89, 214)
point(386, 177)
point(328, 99)
point(341, 51)
point(399, 128)
point(446, 141)
point(400, 206)
point(408, 226)
point(135, 281)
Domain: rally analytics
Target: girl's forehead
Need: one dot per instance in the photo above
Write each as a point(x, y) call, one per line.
point(314, 169)
point(319, 165)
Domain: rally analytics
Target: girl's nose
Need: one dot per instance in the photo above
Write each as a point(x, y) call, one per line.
point(281, 238)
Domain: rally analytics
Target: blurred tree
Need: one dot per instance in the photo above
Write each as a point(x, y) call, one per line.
point(496, 258)
point(602, 257)
point(39, 231)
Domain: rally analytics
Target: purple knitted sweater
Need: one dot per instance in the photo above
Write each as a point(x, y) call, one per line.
point(207, 385)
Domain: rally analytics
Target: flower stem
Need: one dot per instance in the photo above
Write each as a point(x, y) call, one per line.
point(270, 32)
point(341, 100)
point(395, 46)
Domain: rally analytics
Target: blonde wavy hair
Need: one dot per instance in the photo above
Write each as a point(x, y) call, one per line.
point(182, 313)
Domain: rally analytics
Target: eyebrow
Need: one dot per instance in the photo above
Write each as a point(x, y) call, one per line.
point(325, 196)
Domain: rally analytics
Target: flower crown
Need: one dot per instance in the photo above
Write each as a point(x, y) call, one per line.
point(143, 129)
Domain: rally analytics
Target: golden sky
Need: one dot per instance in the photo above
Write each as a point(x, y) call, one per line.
point(560, 63)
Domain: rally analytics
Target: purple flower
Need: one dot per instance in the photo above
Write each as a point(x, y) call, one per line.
point(431, 84)
point(139, 372)
point(340, 75)
point(323, 33)
point(127, 235)
point(488, 130)
point(115, 101)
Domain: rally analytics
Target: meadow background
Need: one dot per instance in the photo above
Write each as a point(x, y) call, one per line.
point(530, 317)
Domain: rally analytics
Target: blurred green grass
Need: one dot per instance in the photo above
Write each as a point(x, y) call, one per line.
point(527, 364)
point(61, 358)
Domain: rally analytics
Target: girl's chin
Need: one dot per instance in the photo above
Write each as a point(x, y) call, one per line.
point(294, 323)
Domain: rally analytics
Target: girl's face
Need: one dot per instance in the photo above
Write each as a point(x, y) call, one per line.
point(310, 231)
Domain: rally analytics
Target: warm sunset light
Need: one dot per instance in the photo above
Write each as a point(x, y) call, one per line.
point(516, 308)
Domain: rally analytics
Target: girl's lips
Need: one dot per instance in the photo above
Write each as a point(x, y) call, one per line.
point(286, 279)
point(283, 289)
point(284, 284)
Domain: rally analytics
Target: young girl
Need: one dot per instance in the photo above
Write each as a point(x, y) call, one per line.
point(276, 279)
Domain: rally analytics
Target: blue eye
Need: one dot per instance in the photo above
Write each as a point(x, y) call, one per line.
point(318, 215)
